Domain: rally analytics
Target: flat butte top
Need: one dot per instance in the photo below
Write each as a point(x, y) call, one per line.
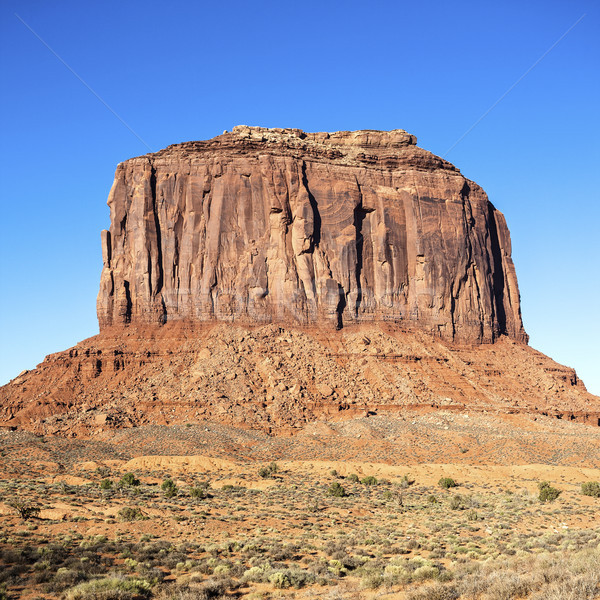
point(394, 149)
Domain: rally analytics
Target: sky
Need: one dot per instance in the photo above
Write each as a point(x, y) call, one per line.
point(86, 85)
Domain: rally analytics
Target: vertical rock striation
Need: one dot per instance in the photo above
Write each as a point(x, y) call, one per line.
point(278, 225)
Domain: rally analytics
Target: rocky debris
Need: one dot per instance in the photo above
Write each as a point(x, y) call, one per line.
point(278, 225)
point(277, 379)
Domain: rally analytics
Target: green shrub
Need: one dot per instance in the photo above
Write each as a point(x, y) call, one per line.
point(335, 489)
point(447, 483)
point(199, 493)
point(435, 591)
point(129, 479)
point(369, 480)
point(293, 577)
point(106, 484)
point(169, 488)
point(371, 580)
point(26, 511)
point(425, 572)
point(221, 570)
point(394, 495)
point(457, 502)
point(65, 578)
point(547, 492)
point(406, 482)
point(110, 588)
point(255, 574)
point(353, 477)
point(395, 574)
point(591, 488)
point(279, 580)
point(432, 499)
point(127, 513)
point(268, 471)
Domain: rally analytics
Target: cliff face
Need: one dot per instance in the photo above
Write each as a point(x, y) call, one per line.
point(262, 225)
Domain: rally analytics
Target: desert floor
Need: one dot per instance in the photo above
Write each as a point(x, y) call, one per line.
point(344, 509)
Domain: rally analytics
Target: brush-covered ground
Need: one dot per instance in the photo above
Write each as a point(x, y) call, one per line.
point(205, 511)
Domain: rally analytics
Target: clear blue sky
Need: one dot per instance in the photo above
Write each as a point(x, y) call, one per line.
point(188, 70)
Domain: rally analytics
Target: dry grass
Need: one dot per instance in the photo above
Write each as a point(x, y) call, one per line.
point(286, 536)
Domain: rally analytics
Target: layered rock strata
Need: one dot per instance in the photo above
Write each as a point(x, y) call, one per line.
point(278, 225)
point(278, 379)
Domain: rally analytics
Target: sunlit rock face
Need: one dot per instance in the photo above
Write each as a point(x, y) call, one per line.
point(278, 225)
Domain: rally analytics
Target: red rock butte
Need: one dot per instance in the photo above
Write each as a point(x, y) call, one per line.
point(278, 225)
point(270, 278)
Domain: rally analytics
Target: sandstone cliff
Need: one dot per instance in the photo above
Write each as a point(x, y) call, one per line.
point(277, 225)
point(290, 236)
